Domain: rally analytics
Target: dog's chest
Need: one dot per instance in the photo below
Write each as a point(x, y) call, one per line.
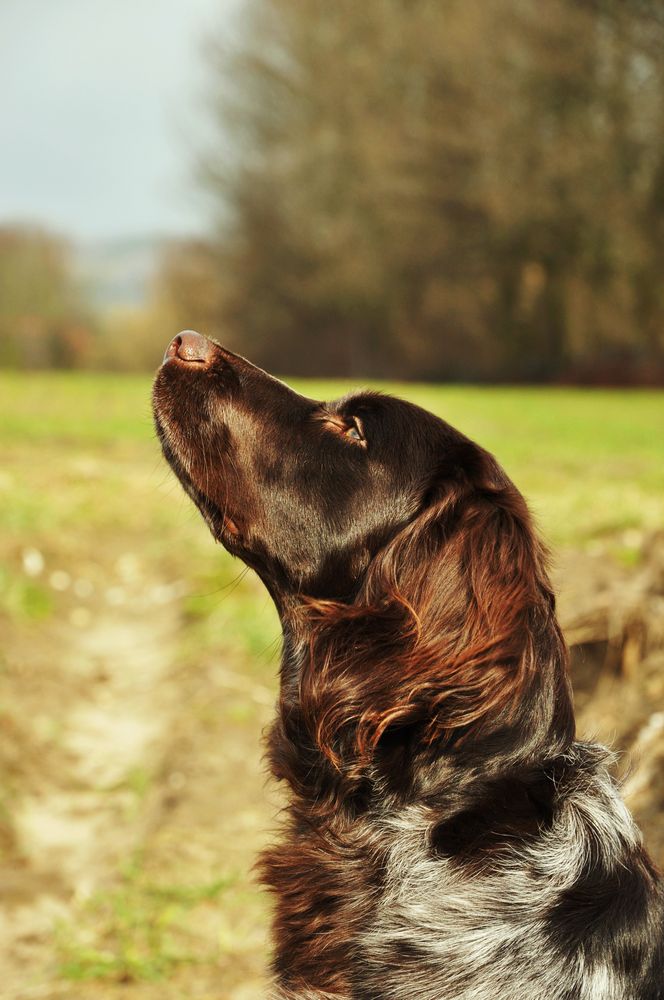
point(326, 890)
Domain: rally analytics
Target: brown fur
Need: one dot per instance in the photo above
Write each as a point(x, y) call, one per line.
point(424, 718)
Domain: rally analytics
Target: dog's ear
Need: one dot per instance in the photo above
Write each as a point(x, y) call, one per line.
point(452, 632)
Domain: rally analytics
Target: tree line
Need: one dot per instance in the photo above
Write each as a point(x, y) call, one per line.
point(44, 319)
point(445, 189)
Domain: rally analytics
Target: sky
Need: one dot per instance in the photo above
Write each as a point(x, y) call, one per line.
point(101, 113)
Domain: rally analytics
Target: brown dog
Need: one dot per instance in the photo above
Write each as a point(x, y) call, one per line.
point(448, 839)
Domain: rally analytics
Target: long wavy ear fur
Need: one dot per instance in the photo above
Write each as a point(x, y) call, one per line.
point(453, 633)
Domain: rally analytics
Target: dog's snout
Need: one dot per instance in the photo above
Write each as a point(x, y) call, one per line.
point(191, 348)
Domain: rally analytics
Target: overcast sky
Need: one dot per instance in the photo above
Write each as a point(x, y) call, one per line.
point(100, 113)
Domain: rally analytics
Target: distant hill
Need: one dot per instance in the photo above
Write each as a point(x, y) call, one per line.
point(118, 272)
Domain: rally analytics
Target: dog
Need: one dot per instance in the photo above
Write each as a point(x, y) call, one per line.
point(447, 838)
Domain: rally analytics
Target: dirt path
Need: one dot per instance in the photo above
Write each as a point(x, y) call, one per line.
point(140, 736)
point(75, 825)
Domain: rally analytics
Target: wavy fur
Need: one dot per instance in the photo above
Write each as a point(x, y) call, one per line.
point(447, 838)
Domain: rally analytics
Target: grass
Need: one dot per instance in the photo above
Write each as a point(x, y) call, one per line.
point(590, 461)
point(90, 409)
point(85, 502)
point(23, 598)
point(140, 929)
point(82, 469)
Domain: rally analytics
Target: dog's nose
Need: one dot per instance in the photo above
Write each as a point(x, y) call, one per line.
point(190, 347)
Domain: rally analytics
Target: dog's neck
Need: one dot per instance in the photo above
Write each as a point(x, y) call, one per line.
point(521, 750)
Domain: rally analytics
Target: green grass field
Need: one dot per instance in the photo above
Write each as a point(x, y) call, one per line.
point(591, 462)
point(137, 669)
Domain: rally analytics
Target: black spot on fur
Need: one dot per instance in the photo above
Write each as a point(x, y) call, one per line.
point(503, 816)
point(614, 913)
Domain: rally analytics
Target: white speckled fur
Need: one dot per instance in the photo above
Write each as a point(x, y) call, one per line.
point(485, 938)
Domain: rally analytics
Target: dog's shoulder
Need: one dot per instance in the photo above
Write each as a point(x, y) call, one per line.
point(533, 883)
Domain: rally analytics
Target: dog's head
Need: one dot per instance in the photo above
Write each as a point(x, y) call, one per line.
point(304, 491)
point(400, 543)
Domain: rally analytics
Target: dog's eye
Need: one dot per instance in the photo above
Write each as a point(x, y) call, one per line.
point(355, 431)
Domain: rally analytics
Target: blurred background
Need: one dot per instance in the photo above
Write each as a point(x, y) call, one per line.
point(461, 202)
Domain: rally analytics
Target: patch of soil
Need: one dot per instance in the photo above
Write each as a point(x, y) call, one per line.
point(70, 823)
point(114, 746)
